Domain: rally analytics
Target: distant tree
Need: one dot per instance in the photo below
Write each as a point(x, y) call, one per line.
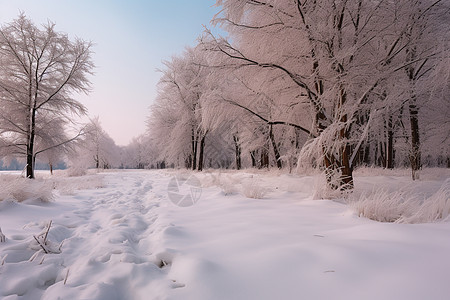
point(96, 148)
point(137, 154)
point(40, 69)
point(54, 143)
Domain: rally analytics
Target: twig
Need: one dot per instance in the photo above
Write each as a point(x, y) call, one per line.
point(4, 258)
point(48, 229)
point(35, 255)
point(60, 245)
point(2, 236)
point(40, 244)
point(67, 275)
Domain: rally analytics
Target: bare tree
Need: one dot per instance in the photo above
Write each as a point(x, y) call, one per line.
point(40, 69)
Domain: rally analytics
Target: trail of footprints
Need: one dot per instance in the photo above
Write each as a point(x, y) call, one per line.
point(121, 222)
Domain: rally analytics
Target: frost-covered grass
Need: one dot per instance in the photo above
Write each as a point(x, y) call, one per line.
point(15, 187)
point(67, 184)
point(384, 206)
point(435, 208)
point(391, 196)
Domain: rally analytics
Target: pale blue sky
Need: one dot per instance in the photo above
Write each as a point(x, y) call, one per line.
point(131, 39)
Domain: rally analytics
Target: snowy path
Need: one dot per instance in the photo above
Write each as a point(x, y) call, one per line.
point(107, 246)
point(129, 241)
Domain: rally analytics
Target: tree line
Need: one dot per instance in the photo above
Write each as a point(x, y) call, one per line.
point(325, 84)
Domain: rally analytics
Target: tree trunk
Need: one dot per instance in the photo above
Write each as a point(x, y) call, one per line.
point(390, 145)
point(415, 155)
point(30, 146)
point(346, 180)
point(275, 149)
point(51, 168)
point(194, 152)
point(264, 163)
point(253, 157)
point(347, 170)
point(202, 151)
point(30, 164)
point(238, 152)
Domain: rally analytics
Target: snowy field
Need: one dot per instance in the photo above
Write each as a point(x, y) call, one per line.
point(229, 235)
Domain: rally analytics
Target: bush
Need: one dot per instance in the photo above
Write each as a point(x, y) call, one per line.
point(75, 171)
point(252, 189)
point(21, 189)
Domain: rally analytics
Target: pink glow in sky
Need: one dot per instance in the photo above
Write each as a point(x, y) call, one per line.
point(131, 39)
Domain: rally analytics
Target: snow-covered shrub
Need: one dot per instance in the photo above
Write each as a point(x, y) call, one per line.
point(253, 189)
point(21, 189)
point(77, 170)
point(384, 206)
point(228, 186)
point(435, 208)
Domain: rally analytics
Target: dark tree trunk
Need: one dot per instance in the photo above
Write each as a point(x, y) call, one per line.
point(201, 154)
point(347, 170)
point(238, 152)
point(30, 146)
point(346, 180)
point(366, 155)
point(51, 168)
point(415, 155)
point(264, 163)
point(390, 145)
point(381, 161)
point(30, 165)
point(194, 152)
point(275, 149)
point(253, 157)
point(188, 162)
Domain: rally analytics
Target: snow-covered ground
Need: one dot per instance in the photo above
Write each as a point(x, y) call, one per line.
point(211, 235)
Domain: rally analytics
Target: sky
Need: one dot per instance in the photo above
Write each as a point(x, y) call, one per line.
point(131, 39)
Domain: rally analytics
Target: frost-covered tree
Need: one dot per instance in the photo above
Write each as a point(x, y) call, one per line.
point(96, 148)
point(175, 121)
point(40, 70)
point(138, 154)
point(338, 63)
point(333, 83)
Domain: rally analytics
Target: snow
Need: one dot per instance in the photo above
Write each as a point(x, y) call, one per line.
point(126, 239)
